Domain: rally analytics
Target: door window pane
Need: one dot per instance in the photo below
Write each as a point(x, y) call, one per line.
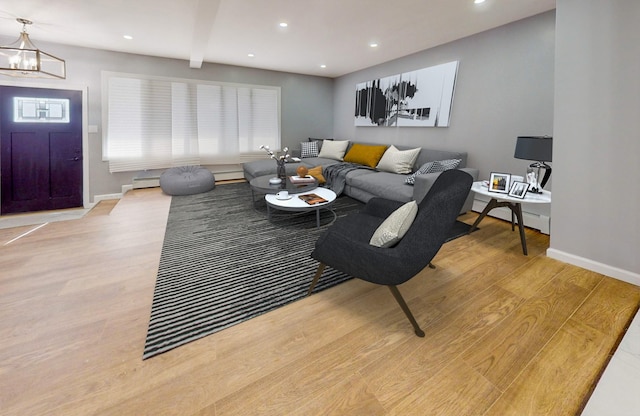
point(40, 110)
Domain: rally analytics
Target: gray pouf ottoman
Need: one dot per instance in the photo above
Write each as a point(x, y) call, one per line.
point(187, 180)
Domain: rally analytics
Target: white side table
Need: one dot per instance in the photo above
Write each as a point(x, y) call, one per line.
point(298, 205)
point(514, 204)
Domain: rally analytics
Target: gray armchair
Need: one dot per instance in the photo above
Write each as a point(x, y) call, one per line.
point(345, 245)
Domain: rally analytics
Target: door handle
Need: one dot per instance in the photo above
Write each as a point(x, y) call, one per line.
point(75, 159)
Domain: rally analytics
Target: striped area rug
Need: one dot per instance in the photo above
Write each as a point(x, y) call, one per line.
point(223, 262)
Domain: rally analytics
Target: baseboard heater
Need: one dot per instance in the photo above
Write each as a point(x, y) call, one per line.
point(146, 182)
point(141, 182)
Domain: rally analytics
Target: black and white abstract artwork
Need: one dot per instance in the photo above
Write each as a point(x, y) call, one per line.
point(420, 98)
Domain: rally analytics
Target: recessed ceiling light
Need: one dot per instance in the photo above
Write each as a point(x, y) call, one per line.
point(323, 66)
point(251, 55)
point(373, 45)
point(284, 24)
point(127, 37)
point(478, 1)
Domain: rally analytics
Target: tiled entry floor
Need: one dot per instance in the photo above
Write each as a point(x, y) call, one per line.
point(19, 220)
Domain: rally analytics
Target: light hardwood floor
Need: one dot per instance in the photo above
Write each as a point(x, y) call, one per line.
point(506, 334)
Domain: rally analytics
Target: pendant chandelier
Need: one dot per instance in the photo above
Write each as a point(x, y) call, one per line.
point(23, 59)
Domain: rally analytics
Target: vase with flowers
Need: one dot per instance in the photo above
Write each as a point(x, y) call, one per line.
point(280, 159)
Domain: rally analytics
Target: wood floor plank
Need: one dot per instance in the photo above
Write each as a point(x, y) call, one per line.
point(506, 350)
point(470, 282)
point(63, 342)
point(568, 363)
point(456, 390)
point(581, 277)
point(394, 374)
point(609, 306)
point(75, 298)
point(540, 271)
point(329, 364)
point(351, 396)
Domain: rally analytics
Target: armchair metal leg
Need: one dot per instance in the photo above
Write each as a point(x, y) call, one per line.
point(396, 294)
point(321, 267)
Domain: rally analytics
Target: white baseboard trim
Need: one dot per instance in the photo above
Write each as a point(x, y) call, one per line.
point(105, 197)
point(594, 266)
point(148, 182)
point(531, 220)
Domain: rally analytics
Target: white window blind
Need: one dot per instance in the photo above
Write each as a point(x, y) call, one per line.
point(158, 123)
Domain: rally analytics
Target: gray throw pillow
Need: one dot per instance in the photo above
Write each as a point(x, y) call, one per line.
point(309, 149)
point(426, 168)
point(435, 166)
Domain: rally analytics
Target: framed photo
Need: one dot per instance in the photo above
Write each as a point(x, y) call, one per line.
point(500, 182)
point(518, 189)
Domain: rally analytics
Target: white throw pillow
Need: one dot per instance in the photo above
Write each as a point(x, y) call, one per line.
point(398, 161)
point(395, 226)
point(333, 149)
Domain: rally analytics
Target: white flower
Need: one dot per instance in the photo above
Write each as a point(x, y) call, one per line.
point(284, 156)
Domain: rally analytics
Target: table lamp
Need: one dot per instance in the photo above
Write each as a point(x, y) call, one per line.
point(538, 148)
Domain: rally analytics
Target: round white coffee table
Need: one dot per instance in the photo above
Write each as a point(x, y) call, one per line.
point(297, 204)
point(261, 185)
point(514, 204)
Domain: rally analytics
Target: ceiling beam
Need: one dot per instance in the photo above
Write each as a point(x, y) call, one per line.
point(205, 17)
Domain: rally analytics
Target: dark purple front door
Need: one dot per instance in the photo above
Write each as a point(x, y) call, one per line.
point(40, 149)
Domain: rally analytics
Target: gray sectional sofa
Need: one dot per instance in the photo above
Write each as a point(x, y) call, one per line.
point(364, 184)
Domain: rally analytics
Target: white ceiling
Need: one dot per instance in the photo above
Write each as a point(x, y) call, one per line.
point(336, 33)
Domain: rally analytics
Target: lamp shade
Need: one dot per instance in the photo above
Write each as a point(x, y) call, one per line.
point(537, 148)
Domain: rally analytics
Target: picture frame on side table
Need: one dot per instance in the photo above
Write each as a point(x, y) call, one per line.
point(500, 182)
point(518, 189)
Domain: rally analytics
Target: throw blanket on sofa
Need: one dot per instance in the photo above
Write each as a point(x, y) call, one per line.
point(336, 175)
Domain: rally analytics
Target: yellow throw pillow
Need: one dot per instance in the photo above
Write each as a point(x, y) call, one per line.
point(363, 154)
point(317, 173)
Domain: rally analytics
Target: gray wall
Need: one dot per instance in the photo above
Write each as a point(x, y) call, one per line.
point(504, 89)
point(306, 100)
point(596, 196)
